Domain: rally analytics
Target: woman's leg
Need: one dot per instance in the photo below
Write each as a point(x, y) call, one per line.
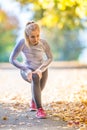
point(36, 90)
point(24, 76)
point(32, 103)
point(37, 87)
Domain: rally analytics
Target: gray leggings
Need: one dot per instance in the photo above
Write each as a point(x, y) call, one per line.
point(37, 86)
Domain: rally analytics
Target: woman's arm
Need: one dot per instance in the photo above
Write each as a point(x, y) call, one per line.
point(48, 53)
point(14, 54)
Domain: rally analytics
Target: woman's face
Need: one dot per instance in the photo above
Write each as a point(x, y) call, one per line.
point(34, 37)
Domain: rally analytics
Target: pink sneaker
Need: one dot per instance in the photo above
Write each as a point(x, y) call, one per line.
point(33, 106)
point(41, 114)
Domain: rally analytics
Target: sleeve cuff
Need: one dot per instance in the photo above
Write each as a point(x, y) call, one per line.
point(39, 70)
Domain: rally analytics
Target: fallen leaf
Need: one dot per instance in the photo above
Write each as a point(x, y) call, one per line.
point(5, 118)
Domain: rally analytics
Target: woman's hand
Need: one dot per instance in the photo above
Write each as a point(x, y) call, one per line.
point(38, 72)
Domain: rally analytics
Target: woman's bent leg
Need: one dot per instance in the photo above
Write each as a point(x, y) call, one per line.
point(24, 76)
point(44, 79)
point(36, 90)
point(32, 103)
point(37, 87)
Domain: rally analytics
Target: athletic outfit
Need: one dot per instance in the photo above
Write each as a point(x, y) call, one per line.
point(35, 57)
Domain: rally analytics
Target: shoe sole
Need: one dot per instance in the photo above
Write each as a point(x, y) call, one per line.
point(32, 109)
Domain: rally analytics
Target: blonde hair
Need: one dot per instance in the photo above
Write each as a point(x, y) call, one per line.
point(30, 26)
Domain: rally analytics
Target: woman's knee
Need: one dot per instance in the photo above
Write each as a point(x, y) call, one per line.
point(35, 76)
point(24, 76)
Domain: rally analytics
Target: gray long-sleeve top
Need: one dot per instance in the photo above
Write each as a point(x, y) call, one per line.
point(35, 57)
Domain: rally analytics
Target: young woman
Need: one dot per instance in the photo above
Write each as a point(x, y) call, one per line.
point(34, 69)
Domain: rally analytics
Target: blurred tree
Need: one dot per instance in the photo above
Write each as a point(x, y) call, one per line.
point(8, 24)
point(64, 14)
point(65, 44)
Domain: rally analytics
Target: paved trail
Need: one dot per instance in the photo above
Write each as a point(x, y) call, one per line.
point(14, 89)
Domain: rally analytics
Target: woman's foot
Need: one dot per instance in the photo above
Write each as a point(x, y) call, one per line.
point(41, 114)
point(33, 106)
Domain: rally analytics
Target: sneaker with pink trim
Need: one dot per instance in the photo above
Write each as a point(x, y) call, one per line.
point(41, 114)
point(33, 106)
